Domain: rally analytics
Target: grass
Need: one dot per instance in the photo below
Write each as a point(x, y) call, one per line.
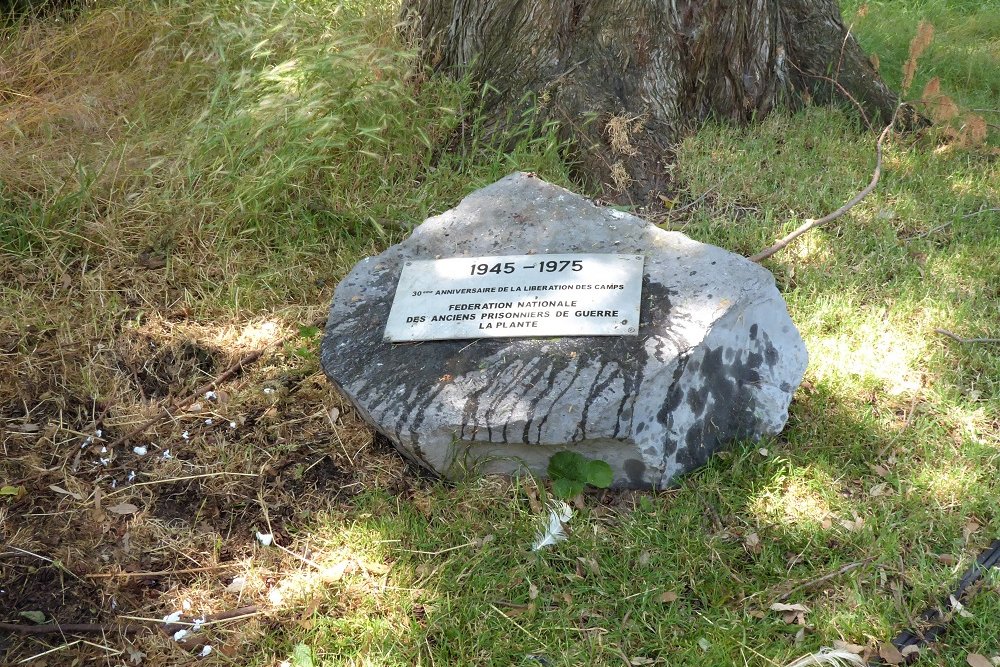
point(193, 190)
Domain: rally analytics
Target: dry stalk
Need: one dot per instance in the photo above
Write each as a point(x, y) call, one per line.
point(812, 224)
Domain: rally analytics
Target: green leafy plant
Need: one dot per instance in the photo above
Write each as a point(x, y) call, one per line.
point(308, 335)
point(570, 472)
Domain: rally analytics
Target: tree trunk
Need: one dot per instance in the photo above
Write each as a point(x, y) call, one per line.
point(627, 78)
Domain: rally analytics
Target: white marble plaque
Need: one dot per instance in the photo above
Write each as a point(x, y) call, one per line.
point(517, 295)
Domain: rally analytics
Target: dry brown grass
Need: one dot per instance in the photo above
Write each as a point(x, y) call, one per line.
point(121, 312)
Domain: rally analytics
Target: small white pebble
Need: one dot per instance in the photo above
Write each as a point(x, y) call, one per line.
point(232, 424)
point(265, 538)
point(172, 618)
point(99, 433)
point(186, 605)
point(114, 484)
point(141, 451)
point(131, 475)
point(209, 422)
point(268, 390)
point(762, 451)
point(104, 450)
point(106, 461)
point(166, 456)
point(205, 650)
point(211, 395)
point(180, 634)
point(197, 623)
point(186, 435)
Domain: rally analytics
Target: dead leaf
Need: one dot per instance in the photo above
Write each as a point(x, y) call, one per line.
point(800, 636)
point(910, 650)
point(15, 492)
point(195, 407)
point(152, 260)
point(590, 564)
point(98, 513)
point(752, 543)
point(641, 661)
point(666, 597)
point(334, 414)
point(978, 660)
point(791, 614)
point(59, 489)
point(135, 656)
point(305, 618)
point(644, 558)
point(853, 526)
point(375, 568)
point(827, 524)
point(959, 607)
point(123, 508)
point(337, 571)
point(880, 490)
point(970, 528)
point(25, 428)
point(532, 494)
point(890, 654)
point(947, 559)
point(511, 610)
point(33, 616)
point(857, 649)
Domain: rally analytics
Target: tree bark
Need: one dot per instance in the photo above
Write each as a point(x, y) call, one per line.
point(626, 79)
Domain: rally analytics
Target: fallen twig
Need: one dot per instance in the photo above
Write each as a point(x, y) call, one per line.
point(982, 210)
point(825, 578)
point(171, 480)
point(73, 628)
point(160, 573)
point(811, 224)
point(966, 341)
point(123, 628)
point(932, 230)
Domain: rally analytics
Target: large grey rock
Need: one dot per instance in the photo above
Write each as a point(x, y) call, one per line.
point(716, 360)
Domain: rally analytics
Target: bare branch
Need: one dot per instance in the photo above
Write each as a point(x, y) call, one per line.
point(123, 628)
point(825, 578)
point(966, 341)
point(812, 224)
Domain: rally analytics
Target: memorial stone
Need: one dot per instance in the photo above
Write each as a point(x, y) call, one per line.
point(713, 357)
